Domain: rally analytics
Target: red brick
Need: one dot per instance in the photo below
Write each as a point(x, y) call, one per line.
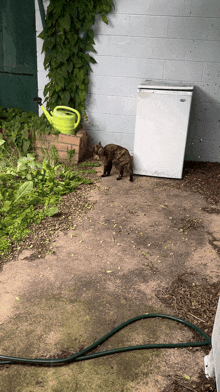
point(61, 146)
point(69, 139)
point(50, 138)
point(63, 143)
point(42, 144)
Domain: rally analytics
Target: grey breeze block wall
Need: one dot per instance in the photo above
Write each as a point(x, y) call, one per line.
point(160, 40)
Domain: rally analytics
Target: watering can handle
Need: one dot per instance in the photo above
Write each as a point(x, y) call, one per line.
point(73, 110)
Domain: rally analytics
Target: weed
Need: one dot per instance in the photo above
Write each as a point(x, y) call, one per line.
point(89, 164)
point(29, 193)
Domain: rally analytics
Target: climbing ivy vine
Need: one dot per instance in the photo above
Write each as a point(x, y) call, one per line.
point(68, 41)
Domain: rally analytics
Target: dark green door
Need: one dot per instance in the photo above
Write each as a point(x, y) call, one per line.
point(18, 57)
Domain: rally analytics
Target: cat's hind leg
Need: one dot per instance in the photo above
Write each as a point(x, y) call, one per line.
point(109, 168)
point(121, 171)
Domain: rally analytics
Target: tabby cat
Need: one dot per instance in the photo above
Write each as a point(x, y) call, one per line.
point(117, 155)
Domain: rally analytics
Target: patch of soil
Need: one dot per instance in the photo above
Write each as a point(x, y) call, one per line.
point(180, 385)
point(196, 304)
point(71, 209)
point(191, 301)
point(199, 177)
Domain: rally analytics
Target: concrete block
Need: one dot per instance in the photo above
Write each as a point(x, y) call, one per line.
point(134, 26)
point(114, 104)
point(127, 141)
point(211, 73)
point(202, 50)
point(142, 68)
point(114, 85)
point(152, 7)
point(186, 71)
point(208, 131)
point(112, 123)
point(214, 29)
point(142, 47)
point(202, 151)
point(205, 112)
point(205, 8)
point(190, 28)
point(206, 92)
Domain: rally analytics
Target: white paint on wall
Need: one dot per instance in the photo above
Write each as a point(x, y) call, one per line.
point(175, 41)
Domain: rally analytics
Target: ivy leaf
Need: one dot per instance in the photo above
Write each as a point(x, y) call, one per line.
point(72, 37)
point(65, 96)
point(47, 88)
point(63, 71)
point(104, 18)
point(92, 60)
point(42, 35)
point(69, 67)
point(59, 81)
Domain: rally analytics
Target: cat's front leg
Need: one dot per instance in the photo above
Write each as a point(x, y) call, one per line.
point(107, 169)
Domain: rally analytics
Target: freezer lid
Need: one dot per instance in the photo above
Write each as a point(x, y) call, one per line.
point(164, 85)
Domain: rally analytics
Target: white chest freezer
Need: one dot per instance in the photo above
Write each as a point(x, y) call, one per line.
point(161, 128)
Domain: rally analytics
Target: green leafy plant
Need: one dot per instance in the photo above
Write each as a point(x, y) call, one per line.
point(18, 128)
point(1, 144)
point(29, 193)
point(68, 41)
point(54, 154)
point(89, 164)
point(70, 154)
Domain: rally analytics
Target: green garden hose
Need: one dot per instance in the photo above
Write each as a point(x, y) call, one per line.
point(80, 356)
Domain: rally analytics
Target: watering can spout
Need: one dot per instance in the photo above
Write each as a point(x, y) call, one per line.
point(39, 101)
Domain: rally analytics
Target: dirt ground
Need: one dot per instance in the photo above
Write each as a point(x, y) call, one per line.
point(116, 250)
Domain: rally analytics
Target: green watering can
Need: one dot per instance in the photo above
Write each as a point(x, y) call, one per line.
point(63, 118)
